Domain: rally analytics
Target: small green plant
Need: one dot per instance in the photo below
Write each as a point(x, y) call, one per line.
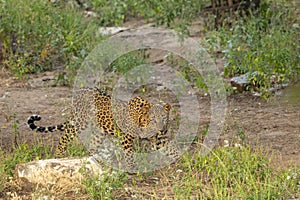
point(15, 133)
point(3, 174)
point(25, 153)
point(173, 13)
point(102, 187)
point(38, 36)
point(263, 44)
point(22, 152)
point(76, 149)
point(129, 61)
point(187, 71)
point(232, 173)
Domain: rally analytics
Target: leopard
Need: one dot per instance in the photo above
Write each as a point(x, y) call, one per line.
point(127, 122)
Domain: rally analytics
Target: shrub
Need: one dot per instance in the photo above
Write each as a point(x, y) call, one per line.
point(264, 44)
point(37, 36)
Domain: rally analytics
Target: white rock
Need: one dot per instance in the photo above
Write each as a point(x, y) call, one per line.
point(54, 170)
point(111, 30)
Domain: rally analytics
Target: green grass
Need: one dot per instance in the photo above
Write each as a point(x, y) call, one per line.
point(232, 173)
point(37, 36)
point(225, 173)
point(170, 13)
point(126, 62)
point(24, 153)
point(266, 44)
point(3, 172)
point(104, 187)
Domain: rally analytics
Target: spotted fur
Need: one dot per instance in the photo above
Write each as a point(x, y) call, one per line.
point(137, 119)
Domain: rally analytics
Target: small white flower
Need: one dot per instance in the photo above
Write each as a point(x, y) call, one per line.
point(237, 145)
point(226, 143)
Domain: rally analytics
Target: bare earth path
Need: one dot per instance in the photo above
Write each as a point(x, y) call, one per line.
point(274, 125)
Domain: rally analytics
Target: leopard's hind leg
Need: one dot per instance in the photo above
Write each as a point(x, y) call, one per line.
point(68, 136)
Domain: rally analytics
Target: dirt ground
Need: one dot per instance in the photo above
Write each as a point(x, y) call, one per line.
point(274, 124)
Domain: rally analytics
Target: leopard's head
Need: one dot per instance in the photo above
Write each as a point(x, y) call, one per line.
point(159, 116)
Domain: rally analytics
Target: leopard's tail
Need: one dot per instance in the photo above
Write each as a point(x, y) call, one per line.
point(32, 126)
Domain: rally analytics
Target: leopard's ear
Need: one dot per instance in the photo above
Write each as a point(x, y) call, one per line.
point(167, 107)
